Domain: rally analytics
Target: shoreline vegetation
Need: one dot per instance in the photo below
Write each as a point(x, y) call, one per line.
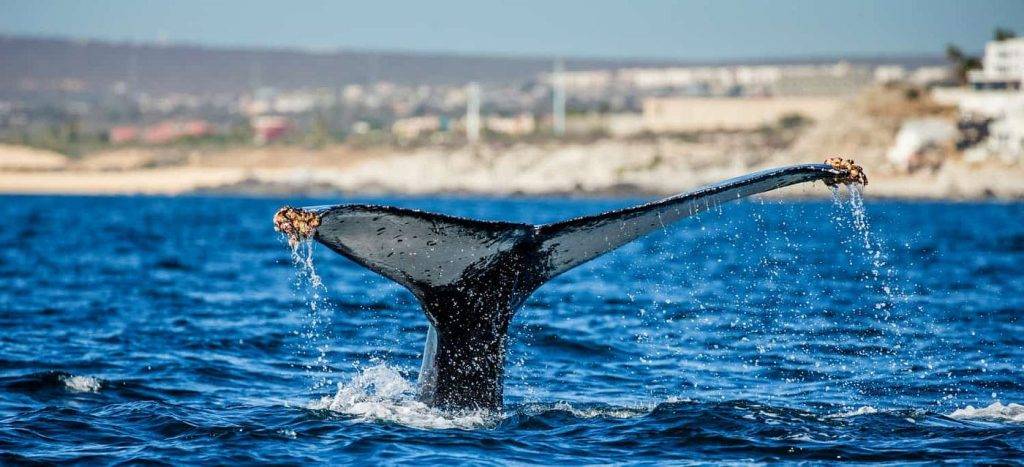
point(863, 129)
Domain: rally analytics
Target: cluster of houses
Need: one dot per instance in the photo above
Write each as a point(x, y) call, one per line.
point(680, 99)
point(616, 102)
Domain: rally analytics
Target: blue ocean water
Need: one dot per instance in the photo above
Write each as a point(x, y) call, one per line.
point(179, 330)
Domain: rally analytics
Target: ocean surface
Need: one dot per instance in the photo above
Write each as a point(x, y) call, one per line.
point(181, 331)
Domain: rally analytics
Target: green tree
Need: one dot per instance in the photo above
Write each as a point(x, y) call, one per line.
point(962, 63)
point(953, 53)
point(1002, 34)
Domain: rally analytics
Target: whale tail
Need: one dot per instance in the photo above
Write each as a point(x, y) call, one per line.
point(470, 276)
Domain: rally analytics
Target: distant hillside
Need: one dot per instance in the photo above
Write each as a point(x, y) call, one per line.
point(34, 64)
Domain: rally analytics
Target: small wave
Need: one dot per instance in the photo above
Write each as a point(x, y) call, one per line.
point(81, 383)
point(588, 412)
point(865, 410)
point(380, 393)
point(996, 412)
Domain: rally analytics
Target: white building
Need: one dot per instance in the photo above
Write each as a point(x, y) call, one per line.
point(1002, 66)
point(584, 81)
point(413, 127)
point(995, 91)
point(929, 75)
point(1005, 141)
point(995, 94)
point(686, 114)
point(1006, 138)
point(890, 74)
point(518, 125)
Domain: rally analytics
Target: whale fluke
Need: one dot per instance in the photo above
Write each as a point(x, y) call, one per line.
point(471, 276)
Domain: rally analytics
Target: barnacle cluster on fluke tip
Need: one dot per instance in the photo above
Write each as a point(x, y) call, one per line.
point(853, 174)
point(296, 223)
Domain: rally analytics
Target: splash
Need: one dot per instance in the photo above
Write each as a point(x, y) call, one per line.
point(81, 383)
point(380, 393)
point(995, 412)
point(863, 410)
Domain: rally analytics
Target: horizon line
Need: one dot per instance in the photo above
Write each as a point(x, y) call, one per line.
point(336, 50)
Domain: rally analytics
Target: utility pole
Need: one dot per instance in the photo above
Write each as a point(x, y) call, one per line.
point(472, 113)
point(558, 98)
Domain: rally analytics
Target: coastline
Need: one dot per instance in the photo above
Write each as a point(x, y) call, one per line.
point(602, 168)
point(865, 129)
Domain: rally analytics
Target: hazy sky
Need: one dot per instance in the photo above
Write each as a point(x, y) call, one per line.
point(600, 28)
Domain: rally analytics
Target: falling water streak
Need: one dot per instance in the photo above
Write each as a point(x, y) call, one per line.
point(881, 279)
point(874, 249)
point(317, 332)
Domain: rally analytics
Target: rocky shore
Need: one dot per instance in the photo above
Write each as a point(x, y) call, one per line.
point(602, 167)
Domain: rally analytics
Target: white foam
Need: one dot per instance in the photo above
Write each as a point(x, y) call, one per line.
point(996, 411)
point(290, 434)
point(81, 383)
point(380, 393)
point(865, 410)
point(598, 412)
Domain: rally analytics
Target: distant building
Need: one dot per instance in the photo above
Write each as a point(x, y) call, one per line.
point(890, 74)
point(837, 78)
point(980, 104)
point(413, 127)
point(1007, 138)
point(994, 100)
point(361, 127)
point(1005, 141)
point(995, 90)
point(256, 106)
point(821, 80)
point(123, 134)
point(585, 81)
point(269, 128)
point(931, 75)
point(662, 78)
point(160, 133)
point(267, 100)
point(625, 124)
point(295, 102)
point(1002, 66)
point(923, 76)
point(352, 93)
point(683, 114)
point(518, 125)
point(164, 132)
point(619, 125)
